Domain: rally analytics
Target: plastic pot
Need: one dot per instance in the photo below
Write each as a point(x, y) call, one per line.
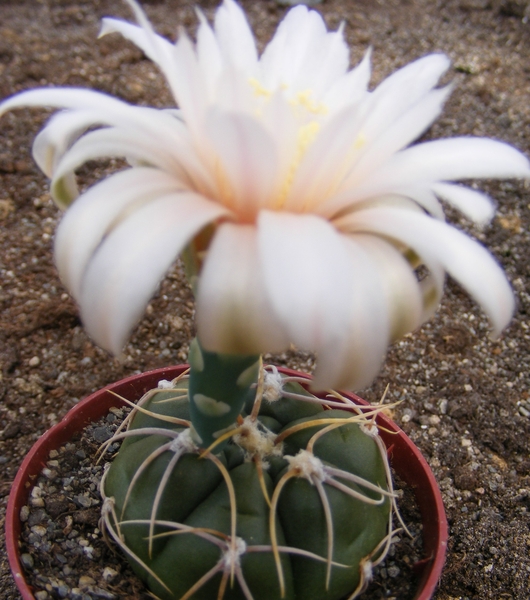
point(404, 456)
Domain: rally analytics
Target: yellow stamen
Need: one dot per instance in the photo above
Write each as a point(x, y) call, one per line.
point(360, 141)
point(259, 90)
point(304, 99)
point(306, 136)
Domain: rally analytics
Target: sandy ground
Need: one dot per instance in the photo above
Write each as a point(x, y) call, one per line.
point(465, 399)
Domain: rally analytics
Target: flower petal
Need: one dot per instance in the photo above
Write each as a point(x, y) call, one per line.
point(436, 242)
point(406, 128)
point(448, 159)
point(127, 267)
point(138, 36)
point(401, 287)
point(234, 315)
point(307, 276)
point(351, 88)
point(107, 111)
point(142, 147)
point(248, 157)
point(155, 46)
point(189, 87)
point(97, 211)
point(401, 91)
point(59, 133)
point(209, 55)
point(235, 37)
point(303, 55)
point(474, 205)
point(353, 359)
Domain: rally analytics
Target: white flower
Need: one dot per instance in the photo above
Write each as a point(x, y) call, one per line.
point(321, 210)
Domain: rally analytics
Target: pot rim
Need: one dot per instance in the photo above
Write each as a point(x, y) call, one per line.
point(405, 458)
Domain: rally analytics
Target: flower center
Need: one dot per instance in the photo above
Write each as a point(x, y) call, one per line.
point(308, 114)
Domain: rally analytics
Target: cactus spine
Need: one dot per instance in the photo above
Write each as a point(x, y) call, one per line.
point(251, 488)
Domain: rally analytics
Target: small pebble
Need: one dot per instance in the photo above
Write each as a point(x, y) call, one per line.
point(85, 581)
point(393, 571)
point(24, 513)
point(83, 501)
point(523, 411)
point(34, 362)
point(102, 434)
point(36, 517)
point(109, 574)
point(27, 561)
point(39, 530)
point(41, 595)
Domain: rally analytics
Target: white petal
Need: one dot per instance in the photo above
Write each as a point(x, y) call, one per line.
point(234, 315)
point(448, 159)
point(107, 110)
point(235, 37)
point(406, 128)
point(400, 91)
point(474, 205)
point(113, 142)
point(436, 242)
point(208, 54)
point(277, 118)
point(234, 93)
point(69, 98)
point(156, 47)
point(307, 276)
point(303, 55)
point(248, 157)
point(58, 134)
point(425, 198)
point(97, 211)
point(353, 359)
point(401, 287)
point(189, 86)
point(137, 35)
point(127, 267)
point(351, 88)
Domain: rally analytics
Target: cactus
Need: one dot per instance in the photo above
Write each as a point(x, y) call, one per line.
point(289, 497)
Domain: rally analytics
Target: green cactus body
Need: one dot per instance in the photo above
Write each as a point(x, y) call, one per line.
point(293, 503)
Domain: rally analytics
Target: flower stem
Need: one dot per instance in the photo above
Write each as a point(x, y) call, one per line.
point(219, 386)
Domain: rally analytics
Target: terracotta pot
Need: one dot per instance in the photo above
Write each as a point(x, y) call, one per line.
point(405, 458)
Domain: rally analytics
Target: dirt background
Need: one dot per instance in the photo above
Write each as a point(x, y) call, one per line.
point(465, 399)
